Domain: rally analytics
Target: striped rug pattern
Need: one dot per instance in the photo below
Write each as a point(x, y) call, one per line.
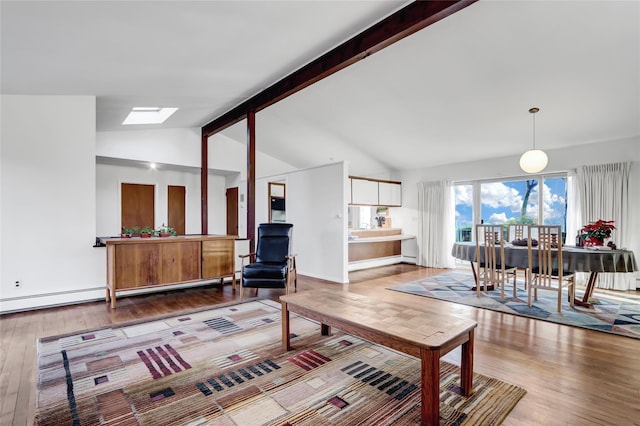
point(226, 366)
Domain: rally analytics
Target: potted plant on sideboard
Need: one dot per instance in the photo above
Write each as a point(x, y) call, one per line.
point(146, 232)
point(165, 231)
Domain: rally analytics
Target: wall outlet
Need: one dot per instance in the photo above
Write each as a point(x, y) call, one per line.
point(18, 283)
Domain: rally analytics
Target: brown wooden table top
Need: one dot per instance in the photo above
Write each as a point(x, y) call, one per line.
point(408, 327)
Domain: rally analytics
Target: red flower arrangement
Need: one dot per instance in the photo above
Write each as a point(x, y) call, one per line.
point(596, 232)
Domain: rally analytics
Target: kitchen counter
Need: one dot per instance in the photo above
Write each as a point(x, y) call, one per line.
point(370, 248)
point(397, 237)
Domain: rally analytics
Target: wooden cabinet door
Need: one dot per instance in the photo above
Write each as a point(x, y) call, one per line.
point(180, 262)
point(217, 258)
point(137, 265)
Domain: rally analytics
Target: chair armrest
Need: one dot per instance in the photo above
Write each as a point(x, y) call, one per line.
point(291, 261)
point(251, 256)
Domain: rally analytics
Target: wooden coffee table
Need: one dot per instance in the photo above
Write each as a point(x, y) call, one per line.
point(419, 333)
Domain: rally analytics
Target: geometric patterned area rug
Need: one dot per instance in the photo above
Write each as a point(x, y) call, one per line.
point(226, 366)
point(611, 313)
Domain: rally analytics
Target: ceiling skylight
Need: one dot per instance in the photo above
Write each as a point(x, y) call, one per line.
point(148, 115)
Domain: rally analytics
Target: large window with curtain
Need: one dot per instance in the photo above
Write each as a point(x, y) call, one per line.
point(539, 199)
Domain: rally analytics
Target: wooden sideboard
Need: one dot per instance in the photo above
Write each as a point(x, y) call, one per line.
point(136, 263)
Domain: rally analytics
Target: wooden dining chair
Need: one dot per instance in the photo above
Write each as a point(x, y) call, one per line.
point(516, 231)
point(489, 259)
point(546, 268)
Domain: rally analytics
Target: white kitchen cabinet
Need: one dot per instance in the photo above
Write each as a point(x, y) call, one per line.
point(375, 192)
point(364, 192)
point(389, 194)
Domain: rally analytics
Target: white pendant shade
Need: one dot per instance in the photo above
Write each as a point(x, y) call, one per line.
point(533, 161)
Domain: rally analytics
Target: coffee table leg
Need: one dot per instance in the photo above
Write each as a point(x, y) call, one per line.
point(430, 388)
point(286, 340)
point(466, 367)
point(325, 330)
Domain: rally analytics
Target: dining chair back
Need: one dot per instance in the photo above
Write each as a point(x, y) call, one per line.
point(489, 254)
point(546, 267)
point(517, 231)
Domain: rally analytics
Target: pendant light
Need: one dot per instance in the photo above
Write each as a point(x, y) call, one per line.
point(534, 160)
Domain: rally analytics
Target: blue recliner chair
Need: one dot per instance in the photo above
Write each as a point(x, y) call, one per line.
point(272, 265)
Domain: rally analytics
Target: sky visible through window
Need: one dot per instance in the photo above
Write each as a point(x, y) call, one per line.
point(502, 202)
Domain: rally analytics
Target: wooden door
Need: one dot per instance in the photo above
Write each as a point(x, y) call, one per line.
point(176, 208)
point(232, 211)
point(137, 205)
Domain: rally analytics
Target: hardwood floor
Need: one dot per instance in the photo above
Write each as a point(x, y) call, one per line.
point(572, 376)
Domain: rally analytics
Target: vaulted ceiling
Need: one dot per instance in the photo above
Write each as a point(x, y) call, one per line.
point(459, 90)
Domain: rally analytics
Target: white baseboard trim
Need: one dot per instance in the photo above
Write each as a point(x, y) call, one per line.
point(74, 297)
point(47, 300)
point(373, 263)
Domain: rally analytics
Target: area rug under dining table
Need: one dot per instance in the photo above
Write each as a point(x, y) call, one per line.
point(226, 366)
point(611, 313)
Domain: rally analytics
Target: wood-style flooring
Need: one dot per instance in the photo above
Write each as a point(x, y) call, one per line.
point(572, 376)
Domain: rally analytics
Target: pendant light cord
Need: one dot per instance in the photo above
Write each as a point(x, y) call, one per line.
point(534, 131)
point(533, 111)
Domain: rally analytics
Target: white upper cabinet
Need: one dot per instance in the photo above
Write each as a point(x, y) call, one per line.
point(375, 193)
point(389, 194)
point(364, 192)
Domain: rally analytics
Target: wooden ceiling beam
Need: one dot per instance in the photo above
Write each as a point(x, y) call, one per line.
point(408, 20)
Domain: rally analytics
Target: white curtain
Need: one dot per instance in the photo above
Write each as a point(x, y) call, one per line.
point(604, 193)
point(436, 213)
point(574, 218)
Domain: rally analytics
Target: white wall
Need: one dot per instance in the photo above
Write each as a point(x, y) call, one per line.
point(228, 154)
point(165, 146)
point(182, 147)
point(316, 205)
point(110, 177)
point(48, 217)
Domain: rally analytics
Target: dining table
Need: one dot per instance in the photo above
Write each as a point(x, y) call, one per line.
point(594, 260)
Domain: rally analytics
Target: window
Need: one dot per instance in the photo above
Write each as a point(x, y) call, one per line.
point(509, 202)
point(463, 195)
point(540, 199)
